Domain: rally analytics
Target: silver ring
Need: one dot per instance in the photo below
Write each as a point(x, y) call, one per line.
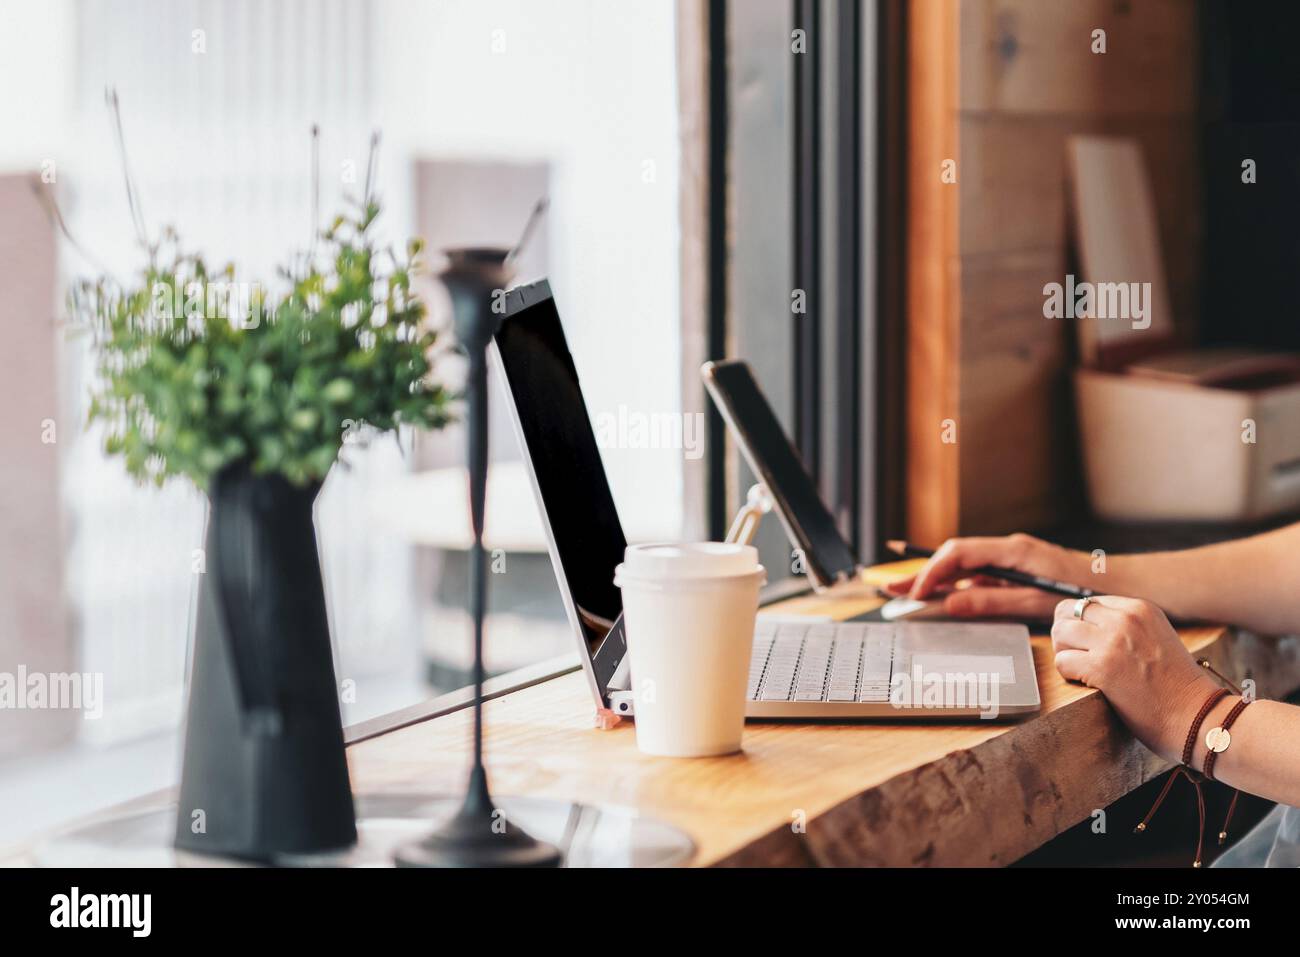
point(1081, 606)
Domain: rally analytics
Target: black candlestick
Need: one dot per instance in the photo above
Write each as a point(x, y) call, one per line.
point(478, 836)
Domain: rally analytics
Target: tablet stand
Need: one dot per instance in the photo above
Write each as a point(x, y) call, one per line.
point(745, 526)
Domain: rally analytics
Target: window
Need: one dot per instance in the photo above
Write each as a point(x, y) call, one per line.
point(800, 287)
point(482, 108)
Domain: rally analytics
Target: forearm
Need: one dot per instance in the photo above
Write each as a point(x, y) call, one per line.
point(1253, 582)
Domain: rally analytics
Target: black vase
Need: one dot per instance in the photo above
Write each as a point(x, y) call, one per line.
point(264, 772)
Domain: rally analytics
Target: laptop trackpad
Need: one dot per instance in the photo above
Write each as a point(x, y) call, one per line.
point(963, 665)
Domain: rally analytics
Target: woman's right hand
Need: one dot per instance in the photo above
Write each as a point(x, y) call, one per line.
point(958, 558)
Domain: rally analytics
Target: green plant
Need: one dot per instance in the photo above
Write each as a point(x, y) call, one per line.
point(196, 372)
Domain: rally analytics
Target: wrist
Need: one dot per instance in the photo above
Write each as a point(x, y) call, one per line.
point(1215, 718)
point(1179, 711)
point(1160, 577)
point(1118, 575)
point(1079, 568)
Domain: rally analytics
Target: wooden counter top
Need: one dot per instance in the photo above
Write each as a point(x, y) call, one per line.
point(868, 793)
point(907, 793)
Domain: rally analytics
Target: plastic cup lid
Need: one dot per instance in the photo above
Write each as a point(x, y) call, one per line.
point(666, 560)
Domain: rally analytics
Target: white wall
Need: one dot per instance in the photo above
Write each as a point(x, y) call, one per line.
point(590, 87)
point(36, 56)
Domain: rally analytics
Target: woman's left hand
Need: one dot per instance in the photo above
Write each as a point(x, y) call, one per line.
point(1126, 648)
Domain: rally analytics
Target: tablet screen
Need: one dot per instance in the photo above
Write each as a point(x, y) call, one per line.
point(774, 459)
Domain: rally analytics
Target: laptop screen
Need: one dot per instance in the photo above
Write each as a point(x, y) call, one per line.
point(555, 429)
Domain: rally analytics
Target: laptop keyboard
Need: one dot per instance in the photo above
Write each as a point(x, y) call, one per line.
point(821, 662)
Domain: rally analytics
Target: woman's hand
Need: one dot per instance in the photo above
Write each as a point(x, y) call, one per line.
point(1126, 648)
point(958, 558)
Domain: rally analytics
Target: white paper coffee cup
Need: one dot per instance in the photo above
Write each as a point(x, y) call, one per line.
point(689, 611)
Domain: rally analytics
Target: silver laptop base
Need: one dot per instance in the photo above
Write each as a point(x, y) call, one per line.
point(900, 671)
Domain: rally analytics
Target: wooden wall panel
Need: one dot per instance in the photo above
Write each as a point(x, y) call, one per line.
point(1035, 56)
point(1013, 171)
point(1013, 395)
point(1027, 82)
point(1002, 298)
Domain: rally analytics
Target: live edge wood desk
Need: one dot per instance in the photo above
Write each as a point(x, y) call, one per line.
point(870, 793)
point(898, 794)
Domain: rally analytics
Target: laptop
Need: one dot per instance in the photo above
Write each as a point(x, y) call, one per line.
point(800, 669)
